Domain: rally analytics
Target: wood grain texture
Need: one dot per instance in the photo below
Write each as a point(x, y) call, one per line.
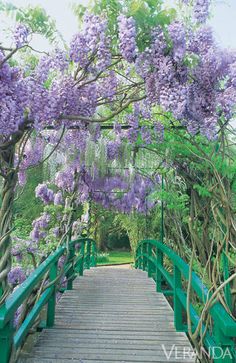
point(112, 315)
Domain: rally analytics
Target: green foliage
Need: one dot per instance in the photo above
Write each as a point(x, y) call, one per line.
point(115, 258)
point(27, 207)
point(35, 17)
point(173, 199)
point(202, 191)
point(139, 226)
point(102, 258)
point(22, 228)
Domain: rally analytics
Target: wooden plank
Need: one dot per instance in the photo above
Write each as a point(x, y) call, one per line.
point(112, 315)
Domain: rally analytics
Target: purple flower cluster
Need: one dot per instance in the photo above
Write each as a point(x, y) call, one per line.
point(113, 148)
point(108, 85)
point(130, 197)
point(178, 37)
point(39, 226)
point(201, 10)
point(127, 38)
point(44, 193)
point(194, 95)
point(55, 62)
point(146, 135)
point(16, 276)
point(65, 180)
point(122, 193)
point(133, 131)
point(58, 198)
point(159, 131)
point(13, 98)
point(91, 42)
point(21, 247)
point(20, 35)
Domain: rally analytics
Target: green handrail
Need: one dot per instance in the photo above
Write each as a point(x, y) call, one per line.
point(78, 260)
point(150, 257)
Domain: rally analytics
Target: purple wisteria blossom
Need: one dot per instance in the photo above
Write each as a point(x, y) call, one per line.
point(58, 198)
point(178, 37)
point(127, 35)
point(201, 10)
point(39, 227)
point(20, 35)
point(92, 41)
point(44, 193)
point(16, 276)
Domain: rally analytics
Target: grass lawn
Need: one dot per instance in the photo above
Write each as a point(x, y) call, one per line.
point(114, 257)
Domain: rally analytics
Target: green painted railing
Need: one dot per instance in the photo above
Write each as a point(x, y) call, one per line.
point(82, 255)
point(219, 338)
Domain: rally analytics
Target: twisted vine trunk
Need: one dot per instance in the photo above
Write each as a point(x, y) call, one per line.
point(6, 212)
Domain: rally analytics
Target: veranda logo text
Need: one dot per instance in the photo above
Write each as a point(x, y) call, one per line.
point(184, 353)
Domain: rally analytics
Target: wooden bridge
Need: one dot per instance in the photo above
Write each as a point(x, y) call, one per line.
point(111, 315)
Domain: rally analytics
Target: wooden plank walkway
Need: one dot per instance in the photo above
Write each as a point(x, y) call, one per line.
point(112, 315)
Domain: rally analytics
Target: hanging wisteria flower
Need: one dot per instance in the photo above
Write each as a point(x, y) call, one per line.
point(39, 226)
point(20, 35)
point(58, 198)
point(16, 276)
point(133, 131)
point(127, 38)
point(65, 179)
point(108, 85)
point(146, 135)
point(91, 42)
point(159, 131)
point(57, 61)
point(201, 10)
point(113, 149)
point(13, 98)
point(178, 37)
point(44, 193)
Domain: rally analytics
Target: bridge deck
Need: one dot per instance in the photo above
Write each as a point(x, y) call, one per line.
point(112, 315)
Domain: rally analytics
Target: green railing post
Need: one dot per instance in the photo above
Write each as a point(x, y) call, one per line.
point(142, 254)
point(88, 255)
point(139, 258)
point(149, 252)
point(224, 350)
point(160, 258)
point(52, 301)
point(136, 260)
point(6, 341)
point(81, 263)
point(162, 210)
point(93, 256)
point(70, 272)
point(178, 308)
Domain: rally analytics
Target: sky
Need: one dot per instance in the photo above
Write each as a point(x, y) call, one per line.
point(223, 19)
